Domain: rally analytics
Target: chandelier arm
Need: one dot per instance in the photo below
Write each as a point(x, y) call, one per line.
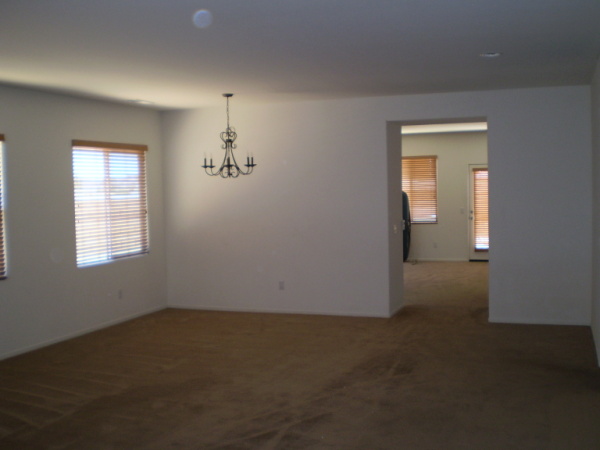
point(206, 166)
point(237, 167)
point(248, 170)
point(226, 158)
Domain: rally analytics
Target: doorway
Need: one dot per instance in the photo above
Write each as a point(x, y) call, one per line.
point(451, 243)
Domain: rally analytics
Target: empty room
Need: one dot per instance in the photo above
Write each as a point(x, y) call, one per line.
point(202, 233)
point(445, 178)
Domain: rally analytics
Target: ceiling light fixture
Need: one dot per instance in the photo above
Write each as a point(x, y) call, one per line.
point(141, 102)
point(229, 167)
point(202, 18)
point(490, 55)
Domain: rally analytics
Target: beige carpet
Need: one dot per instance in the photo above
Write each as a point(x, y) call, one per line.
point(435, 376)
point(440, 284)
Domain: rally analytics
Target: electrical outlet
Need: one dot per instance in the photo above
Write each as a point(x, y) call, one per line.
point(282, 285)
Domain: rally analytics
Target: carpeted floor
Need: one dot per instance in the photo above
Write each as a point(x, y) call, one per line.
point(446, 284)
point(437, 375)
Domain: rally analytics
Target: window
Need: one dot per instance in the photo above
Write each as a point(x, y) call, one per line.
point(480, 210)
point(419, 181)
point(110, 201)
point(2, 246)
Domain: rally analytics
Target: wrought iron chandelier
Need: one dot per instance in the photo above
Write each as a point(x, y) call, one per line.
point(229, 167)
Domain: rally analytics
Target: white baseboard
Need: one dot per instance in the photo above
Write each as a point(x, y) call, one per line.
point(521, 321)
point(281, 311)
point(78, 333)
point(410, 260)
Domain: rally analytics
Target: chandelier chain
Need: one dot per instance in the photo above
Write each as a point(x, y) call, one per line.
point(228, 113)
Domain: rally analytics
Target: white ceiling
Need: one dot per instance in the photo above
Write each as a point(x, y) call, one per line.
point(277, 50)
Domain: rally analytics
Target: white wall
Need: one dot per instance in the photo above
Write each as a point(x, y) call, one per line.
point(306, 217)
point(596, 175)
point(45, 297)
point(315, 214)
point(447, 240)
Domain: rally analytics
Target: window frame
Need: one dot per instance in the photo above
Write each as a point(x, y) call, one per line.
point(109, 225)
point(421, 170)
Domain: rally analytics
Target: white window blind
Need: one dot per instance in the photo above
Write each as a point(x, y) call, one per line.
point(480, 210)
point(419, 181)
point(2, 246)
point(110, 201)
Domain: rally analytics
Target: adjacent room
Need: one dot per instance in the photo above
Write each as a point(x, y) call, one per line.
point(446, 232)
point(201, 224)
